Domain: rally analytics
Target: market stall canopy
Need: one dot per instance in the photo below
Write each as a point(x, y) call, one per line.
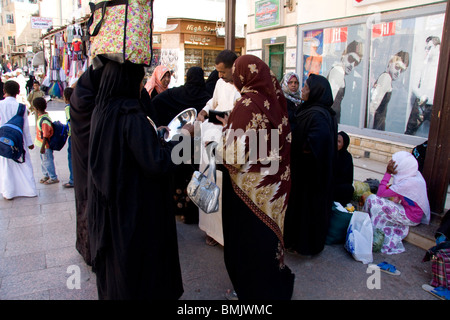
point(38, 59)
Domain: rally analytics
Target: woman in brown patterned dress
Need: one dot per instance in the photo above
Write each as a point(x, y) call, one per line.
point(256, 189)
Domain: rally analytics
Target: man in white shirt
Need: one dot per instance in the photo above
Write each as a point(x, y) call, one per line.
point(224, 96)
point(16, 179)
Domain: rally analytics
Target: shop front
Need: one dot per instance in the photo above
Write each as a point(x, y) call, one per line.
point(382, 69)
point(186, 43)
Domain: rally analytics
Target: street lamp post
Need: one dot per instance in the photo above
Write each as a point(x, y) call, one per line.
point(230, 25)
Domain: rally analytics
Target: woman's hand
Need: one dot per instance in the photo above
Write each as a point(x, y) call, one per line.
point(164, 131)
point(391, 167)
point(202, 115)
point(224, 120)
point(188, 129)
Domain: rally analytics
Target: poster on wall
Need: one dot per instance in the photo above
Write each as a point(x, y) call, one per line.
point(312, 52)
point(424, 66)
point(402, 77)
point(343, 52)
point(389, 75)
point(267, 14)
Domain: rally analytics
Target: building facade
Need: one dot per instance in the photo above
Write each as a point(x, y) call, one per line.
point(186, 43)
point(17, 37)
point(380, 56)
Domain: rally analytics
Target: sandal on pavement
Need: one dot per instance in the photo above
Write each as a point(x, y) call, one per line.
point(388, 268)
point(51, 181)
point(439, 292)
point(211, 242)
point(68, 185)
point(231, 295)
point(44, 179)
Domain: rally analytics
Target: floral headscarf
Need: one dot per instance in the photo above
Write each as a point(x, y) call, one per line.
point(155, 80)
point(260, 113)
point(295, 97)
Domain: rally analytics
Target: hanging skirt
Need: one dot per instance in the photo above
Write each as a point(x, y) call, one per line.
point(390, 217)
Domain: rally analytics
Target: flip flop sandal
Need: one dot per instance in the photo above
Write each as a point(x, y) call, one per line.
point(387, 268)
point(44, 179)
point(211, 242)
point(51, 181)
point(439, 292)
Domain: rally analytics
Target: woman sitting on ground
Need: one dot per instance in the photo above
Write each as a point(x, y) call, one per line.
point(398, 206)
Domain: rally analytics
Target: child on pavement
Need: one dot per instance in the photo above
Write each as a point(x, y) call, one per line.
point(44, 131)
point(67, 93)
point(36, 92)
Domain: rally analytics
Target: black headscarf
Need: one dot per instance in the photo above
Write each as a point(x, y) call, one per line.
point(193, 94)
point(320, 101)
point(320, 93)
point(313, 157)
point(211, 81)
point(119, 82)
point(343, 174)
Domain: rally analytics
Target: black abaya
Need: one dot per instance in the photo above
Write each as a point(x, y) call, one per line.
point(167, 104)
point(268, 281)
point(164, 107)
point(343, 177)
point(82, 103)
point(132, 234)
point(313, 156)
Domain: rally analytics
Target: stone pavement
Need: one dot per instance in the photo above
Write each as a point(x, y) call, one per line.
point(38, 259)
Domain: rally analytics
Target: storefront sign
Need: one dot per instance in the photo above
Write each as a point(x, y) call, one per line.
point(200, 40)
point(383, 29)
point(267, 14)
point(41, 23)
point(335, 35)
point(199, 28)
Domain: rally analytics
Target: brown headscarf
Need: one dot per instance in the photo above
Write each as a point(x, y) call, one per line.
point(155, 80)
point(261, 108)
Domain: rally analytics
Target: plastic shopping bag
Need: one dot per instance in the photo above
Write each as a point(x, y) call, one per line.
point(360, 237)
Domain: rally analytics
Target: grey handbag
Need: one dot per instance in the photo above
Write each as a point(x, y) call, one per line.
point(202, 188)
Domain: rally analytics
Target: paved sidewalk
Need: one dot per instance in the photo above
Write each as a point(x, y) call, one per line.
point(38, 256)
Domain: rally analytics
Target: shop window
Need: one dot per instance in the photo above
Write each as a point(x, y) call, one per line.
point(204, 58)
point(9, 18)
point(382, 75)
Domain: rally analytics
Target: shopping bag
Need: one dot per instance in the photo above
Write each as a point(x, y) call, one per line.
point(360, 237)
point(121, 30)
point(440, 264)
point(202, 188)
point(339, 221)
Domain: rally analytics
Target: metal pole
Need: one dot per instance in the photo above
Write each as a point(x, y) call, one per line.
point(230, 25)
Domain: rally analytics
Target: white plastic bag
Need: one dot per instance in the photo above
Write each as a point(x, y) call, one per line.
point(360, 237)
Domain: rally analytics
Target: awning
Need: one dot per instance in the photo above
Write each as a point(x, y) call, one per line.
point(38, 59)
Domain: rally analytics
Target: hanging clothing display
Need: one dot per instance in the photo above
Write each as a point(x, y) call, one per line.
point(68, 59)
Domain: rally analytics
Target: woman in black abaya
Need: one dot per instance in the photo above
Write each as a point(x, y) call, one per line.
point(132, 236)
point(314, 148)
point(343, 177)
point(192, 94)
point(164, 107)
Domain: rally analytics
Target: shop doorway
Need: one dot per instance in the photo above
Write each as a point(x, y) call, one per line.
point(276, 60)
